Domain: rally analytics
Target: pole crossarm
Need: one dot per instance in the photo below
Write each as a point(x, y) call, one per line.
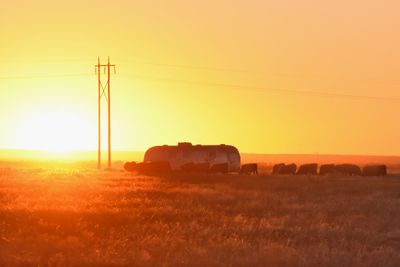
point(104, 67)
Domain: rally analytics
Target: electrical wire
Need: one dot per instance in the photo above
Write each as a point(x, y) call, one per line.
point(21, 77)
point(215, 84)
point(257, 72)
point(259, 88)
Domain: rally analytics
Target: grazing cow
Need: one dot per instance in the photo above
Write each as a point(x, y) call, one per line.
point(284, 168)
point(219, 168)
point(159, 166)
point(374, 170)
point(195, 167)
point(327, 169)
point(288, 169)
point(188, 167)
point(250, 168)
point(308, 169)
point(141, 167)
point(202, 167)
point(277, 167)
point(130, 166)
point(347, 169)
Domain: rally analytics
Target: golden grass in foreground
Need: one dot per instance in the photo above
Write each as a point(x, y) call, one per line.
point(90, 218)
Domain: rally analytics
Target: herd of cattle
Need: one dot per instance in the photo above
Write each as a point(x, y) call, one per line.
point(329, 169)
point(164, 166)
point(252, 168)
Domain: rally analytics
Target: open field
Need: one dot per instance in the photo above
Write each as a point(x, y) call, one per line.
point(90, 218)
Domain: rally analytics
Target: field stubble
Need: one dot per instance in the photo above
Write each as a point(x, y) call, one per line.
point(94, 218)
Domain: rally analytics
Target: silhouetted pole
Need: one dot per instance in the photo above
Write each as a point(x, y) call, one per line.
point(109, 114)
point(99, 117)
point(101, 93)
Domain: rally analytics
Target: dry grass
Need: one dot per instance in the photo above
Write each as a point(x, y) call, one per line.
point(89, 218)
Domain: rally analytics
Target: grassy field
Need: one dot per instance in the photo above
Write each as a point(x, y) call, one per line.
point(90, 218)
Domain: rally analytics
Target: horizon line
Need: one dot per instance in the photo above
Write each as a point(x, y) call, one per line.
point(248, 153)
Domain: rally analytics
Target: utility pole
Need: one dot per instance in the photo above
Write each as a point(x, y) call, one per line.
point(102, 93)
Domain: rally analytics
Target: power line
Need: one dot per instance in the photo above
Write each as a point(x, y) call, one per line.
point(185, 66)
point(49, 61)
point(22, 77)
point(259, 88)
point(206, 68)
point(211, 83)
point(257, 72)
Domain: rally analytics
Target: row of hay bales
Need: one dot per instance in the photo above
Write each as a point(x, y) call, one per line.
point(329, 169)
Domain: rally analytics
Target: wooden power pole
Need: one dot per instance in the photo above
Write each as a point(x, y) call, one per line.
point(106, 94)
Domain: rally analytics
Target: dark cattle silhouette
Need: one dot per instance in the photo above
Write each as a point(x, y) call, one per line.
point(250, 168)
point(308, 169)
point(288, 169)
point(202, 167)
point(219, 168)
point(277, 167)
point(153, 167)
point(282, 168)
point(130, 166)
point(348, 169)
point(327, 169)
point(141, 167)
point(195, 167)
point(188, 167)
point(374, 170)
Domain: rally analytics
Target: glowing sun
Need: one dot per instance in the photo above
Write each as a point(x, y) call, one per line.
point(53, 130)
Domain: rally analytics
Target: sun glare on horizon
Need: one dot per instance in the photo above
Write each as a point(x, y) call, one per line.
point(57, 131)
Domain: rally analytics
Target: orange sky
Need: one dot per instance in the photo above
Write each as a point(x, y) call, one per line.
point(210, 72)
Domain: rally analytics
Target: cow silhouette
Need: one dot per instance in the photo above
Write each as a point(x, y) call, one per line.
point(188, 167)
point(250, 168)
point(308, 169)
point(327, 169)
point(284, 168)
point(130, 166)
point(153, 167)
point(195, 167)
point(277, 167)
point(288, 169)
point(219, 168)
point(348, 169)
point(201, 167)
point(374, 170)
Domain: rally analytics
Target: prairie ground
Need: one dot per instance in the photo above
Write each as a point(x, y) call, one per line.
point(113, 218)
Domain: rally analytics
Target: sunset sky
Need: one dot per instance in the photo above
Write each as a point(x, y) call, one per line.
point(266, 76)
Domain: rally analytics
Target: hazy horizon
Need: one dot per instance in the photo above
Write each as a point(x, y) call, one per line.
point(11, 155)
